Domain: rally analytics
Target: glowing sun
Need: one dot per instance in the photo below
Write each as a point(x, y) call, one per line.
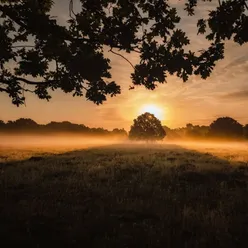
point(153, 109)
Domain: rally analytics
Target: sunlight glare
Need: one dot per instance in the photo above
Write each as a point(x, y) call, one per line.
point(153, 109)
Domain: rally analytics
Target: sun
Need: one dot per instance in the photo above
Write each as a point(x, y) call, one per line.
point(157, 111)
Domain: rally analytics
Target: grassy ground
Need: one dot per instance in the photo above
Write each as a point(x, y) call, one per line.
point(124, 196)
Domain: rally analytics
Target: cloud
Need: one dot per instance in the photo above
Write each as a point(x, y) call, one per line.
point(238, 95)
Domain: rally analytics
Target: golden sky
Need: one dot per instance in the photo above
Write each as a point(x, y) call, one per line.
point(197, 101)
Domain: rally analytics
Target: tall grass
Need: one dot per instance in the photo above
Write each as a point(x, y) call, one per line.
point(124, 196)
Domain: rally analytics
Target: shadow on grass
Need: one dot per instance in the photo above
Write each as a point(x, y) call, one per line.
point(124, 196)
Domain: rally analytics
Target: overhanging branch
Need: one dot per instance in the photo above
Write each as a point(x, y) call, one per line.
point(118, 54)
point(33, 82)
point(246, 5)
point(19, 46)
point(3, 90)
point(71, 9)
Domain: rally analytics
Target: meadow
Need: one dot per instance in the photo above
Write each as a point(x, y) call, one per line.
point(105, 194)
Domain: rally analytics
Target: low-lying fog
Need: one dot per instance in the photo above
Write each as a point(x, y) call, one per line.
point(18, 147)
point(74, 141)
point(55, 141)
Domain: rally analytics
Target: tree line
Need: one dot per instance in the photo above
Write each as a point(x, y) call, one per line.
point(148, 127)
point(221, 128)
point(145, 127)
point(26, 125)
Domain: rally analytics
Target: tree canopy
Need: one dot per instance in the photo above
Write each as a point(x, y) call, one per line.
point(147, 127)
point(39, 55)
point(246, 131)
point(226, 127)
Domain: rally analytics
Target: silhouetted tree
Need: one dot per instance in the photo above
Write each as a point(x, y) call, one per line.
point(25, 122)
point(28, 125)
point(171, 134)
point(226, 127)
point(119, 132)
point(196, 131)
point(47, 56)
point(65, 126)
point(147, 127)
point(22, 124)
point(189, 126)
point(246, 131)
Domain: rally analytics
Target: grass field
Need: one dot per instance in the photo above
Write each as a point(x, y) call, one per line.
point(157, 195)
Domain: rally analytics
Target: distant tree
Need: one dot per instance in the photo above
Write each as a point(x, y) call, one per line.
point(65, 126)
point(171, 134)
point(189, 126)
point(246, 131)
point(147, 127)
point(2, 125)
point(21, 123)
point(119, 132)
point(47, 56)
point(99, 131)
point(226, 127)
point(196, 131)
point(25, 122)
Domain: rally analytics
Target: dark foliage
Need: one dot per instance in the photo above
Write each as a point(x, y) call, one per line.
point(246, 131)
point(29, 126)
point(222, 128)
point(46, 56)
point(226, 127)
point(147, 127)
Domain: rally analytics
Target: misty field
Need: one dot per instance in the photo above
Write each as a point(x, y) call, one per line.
point(124, 195)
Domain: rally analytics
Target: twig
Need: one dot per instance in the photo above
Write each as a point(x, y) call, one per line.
point(18, 46)
point(32, 82)
point(245, 5)
point(57, 66)
point(118, 54)
point(23, 95)
point(27, 90)
point(109, 7)
point(71, 9)
point(3, 90)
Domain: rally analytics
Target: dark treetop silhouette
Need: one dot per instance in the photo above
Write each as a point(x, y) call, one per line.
point(226, 127)
point(246, 131)
point(147, 127)
point(24, 125)
point(47, 56)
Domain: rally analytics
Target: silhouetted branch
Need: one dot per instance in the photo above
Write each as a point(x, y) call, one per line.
point(27, 90)
point(109, 7)
point(71, 11)
point(3, 90)
point(23, 95)
point(12, 17)
point(118, 54)
point(18, 46)
point(32, 82)
point(246, 5)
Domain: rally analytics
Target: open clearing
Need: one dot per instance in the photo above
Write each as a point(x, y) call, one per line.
point(126, 195)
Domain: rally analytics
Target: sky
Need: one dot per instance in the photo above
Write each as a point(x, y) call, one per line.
point(197, 101)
